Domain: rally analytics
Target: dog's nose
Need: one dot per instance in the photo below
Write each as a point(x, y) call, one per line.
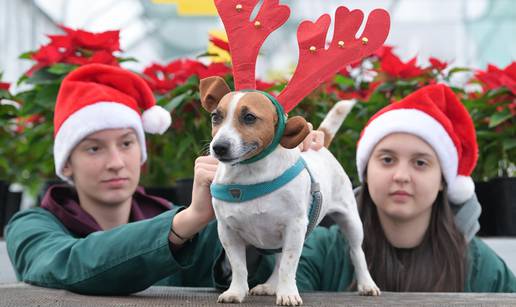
point(221, 149)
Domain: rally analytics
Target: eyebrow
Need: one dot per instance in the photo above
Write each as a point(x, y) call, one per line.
point(417, 154)
point(128, 133)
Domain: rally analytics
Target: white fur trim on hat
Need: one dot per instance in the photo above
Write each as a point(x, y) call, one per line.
point(415, 122)
point(90, 119)
point(461, 189)
point(156, 120)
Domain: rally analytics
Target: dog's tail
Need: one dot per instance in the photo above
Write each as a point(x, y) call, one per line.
point(333, 120)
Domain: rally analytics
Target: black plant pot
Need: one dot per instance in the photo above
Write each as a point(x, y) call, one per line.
point(9, 204)
point(498, 200)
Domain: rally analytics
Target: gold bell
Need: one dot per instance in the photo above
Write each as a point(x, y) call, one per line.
point(257, 24)
point(341, 44)
point(365, 40)
point(238, 7)
point(312, 49)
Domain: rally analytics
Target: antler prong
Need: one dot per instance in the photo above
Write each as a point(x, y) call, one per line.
point(316, 63)
point(246, 36)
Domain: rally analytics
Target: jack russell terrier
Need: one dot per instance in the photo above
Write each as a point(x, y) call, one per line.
point(244, 124)
point(266, 193)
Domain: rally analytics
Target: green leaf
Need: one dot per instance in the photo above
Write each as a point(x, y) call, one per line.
point(342, 80)
point(129, 59)
point(497, 92)
point(175, 102)
point(458, 69)
point(26, 55)
point(499, 118)
point(61, 68)
point(509, 144)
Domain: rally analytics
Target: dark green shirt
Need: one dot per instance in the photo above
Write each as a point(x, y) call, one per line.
point(325, 267)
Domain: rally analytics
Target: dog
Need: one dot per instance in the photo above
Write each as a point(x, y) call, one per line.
point(243, 125)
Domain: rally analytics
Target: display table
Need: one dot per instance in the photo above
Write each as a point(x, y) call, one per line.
point(25, 295)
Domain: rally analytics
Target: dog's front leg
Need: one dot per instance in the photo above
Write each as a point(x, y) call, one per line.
point(271, 285)
point(235, 251)
point(287, 293)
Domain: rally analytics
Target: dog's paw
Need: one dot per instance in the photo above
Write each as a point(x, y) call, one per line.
point(263, 289)
point(289, 300)
point(368, 289)
point(231, 297)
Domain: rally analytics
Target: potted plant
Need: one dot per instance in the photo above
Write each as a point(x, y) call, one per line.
point(493, 109)
point(9, 199)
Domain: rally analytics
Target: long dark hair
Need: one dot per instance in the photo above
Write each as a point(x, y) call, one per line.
point(438, 264)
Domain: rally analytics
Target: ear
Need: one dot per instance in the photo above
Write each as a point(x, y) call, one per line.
point(295, 132)
point(67, 169)
point(212, 89)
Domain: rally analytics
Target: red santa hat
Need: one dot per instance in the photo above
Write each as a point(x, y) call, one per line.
point(96, 97)
point(436, 115)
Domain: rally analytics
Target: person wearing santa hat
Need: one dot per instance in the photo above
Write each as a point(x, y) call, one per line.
point(82, 238)
point(417, 204)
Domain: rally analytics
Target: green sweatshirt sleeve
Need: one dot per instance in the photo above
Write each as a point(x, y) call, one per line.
point(487, 271)
point(123, 260)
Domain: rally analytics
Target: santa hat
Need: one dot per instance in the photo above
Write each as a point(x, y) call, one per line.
point(96, 97)
point(436, 115)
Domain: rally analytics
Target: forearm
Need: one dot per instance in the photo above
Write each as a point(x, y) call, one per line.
point(186, 224)
point(106, 262)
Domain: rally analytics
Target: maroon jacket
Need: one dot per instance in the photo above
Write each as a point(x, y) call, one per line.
point(63, 202)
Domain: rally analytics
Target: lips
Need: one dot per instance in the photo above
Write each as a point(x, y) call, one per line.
point(115, 182)
point(400, 193)
point(400, 196)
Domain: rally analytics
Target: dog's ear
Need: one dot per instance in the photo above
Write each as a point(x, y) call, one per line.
point(295, 132)
point(212, 89)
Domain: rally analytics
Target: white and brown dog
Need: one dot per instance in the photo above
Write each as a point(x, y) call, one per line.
point(244, 124)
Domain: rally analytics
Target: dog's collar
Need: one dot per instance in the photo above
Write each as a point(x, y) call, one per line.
point(236, 193)
point(279, 128)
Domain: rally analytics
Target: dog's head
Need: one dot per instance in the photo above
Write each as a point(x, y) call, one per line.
point(244, 123)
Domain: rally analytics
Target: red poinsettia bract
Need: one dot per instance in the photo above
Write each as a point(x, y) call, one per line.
point(162, 79)
point(5, 86)
point(495, 77)
point(77, 47)
point(395, 67)
point(222, 44)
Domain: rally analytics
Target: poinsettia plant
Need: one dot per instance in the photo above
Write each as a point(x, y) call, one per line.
point(374, 82)
point(33, 162)
point(8, 115)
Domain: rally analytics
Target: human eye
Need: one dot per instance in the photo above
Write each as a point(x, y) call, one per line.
point(386, 159)
point(127, 143)
point(421, 163)
point(92, 149)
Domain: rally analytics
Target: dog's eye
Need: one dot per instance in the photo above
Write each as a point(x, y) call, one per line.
point(216, 118)
point(249, 118)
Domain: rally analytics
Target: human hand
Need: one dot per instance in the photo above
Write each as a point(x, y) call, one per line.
point(314, 140)
point(204, 172)
point(200, 212)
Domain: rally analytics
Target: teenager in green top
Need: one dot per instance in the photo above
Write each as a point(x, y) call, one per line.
point(414, 158)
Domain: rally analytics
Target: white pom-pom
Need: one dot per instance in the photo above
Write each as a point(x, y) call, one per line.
point(461, 189)
point(156, 120)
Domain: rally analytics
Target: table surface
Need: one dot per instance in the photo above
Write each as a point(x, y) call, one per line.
point(25, 295)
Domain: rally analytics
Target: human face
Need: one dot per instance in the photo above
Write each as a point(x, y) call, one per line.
point(403, 177)
point(105, 167)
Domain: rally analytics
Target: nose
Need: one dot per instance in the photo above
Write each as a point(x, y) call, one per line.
point(401, 174)
point(115, 159)
point(221, 148)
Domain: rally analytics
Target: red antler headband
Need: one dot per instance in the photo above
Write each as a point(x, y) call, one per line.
point(316, 63)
